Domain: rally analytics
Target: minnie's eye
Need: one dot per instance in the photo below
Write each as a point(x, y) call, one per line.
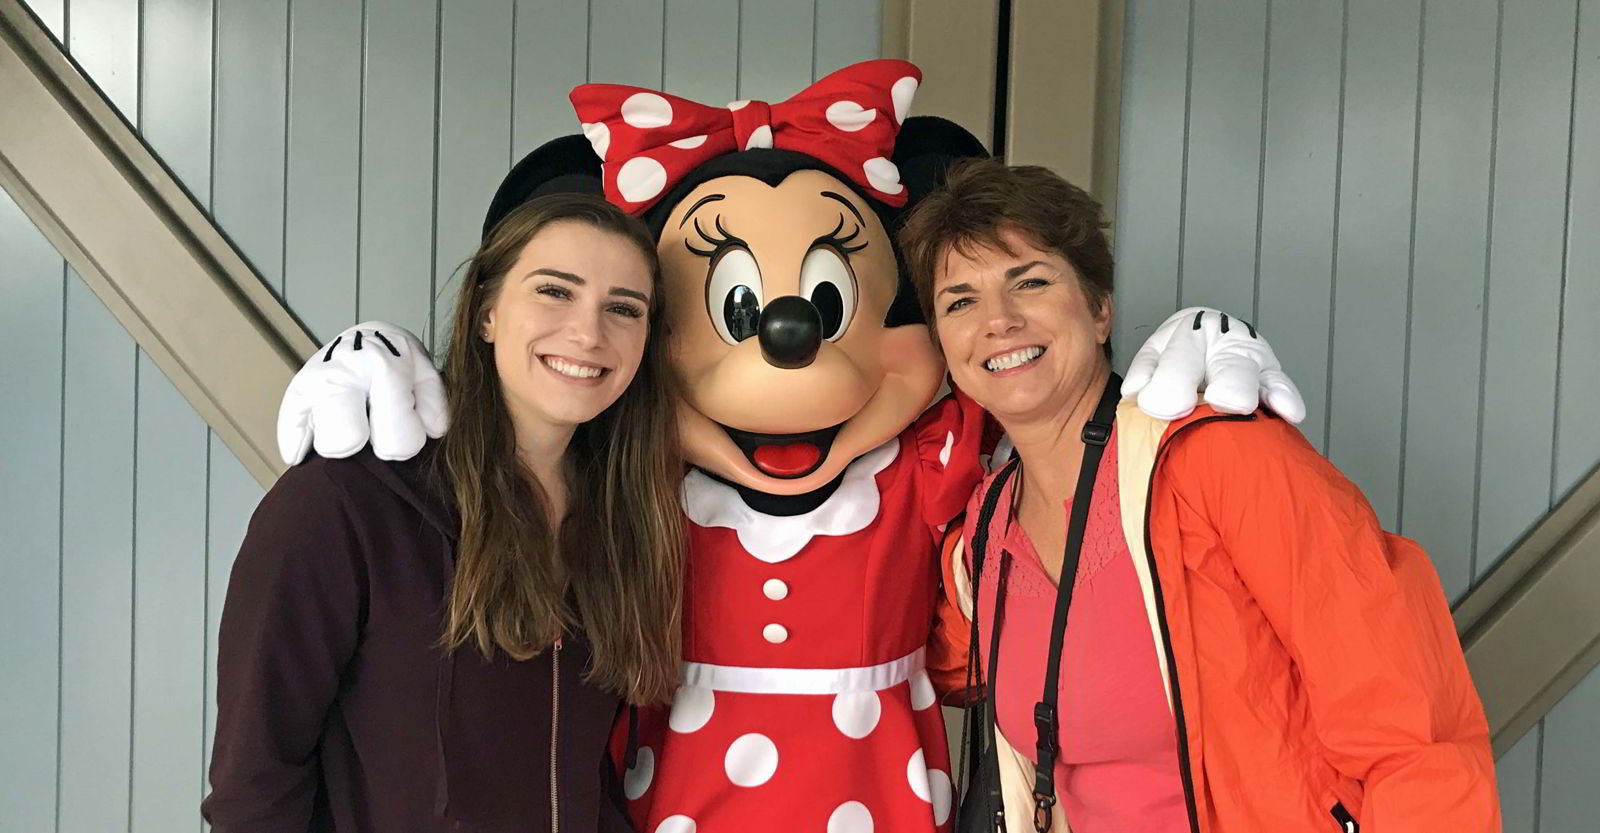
point(827, 282)
point(733, 295)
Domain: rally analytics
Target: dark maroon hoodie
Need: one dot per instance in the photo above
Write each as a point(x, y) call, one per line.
point(337, 709)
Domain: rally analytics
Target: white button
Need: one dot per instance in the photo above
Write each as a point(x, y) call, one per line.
point(775, 590)
point(775, 633)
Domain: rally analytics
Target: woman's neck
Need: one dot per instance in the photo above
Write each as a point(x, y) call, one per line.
point(1051, 447)
point(542, 448)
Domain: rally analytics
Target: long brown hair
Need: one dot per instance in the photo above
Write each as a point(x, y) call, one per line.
point(615, 570)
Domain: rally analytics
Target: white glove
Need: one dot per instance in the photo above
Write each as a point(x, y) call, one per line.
point(1202, 349)
point(374, 363)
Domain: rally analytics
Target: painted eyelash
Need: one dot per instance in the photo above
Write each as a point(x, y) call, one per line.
point(717, 243)
point(842, 244)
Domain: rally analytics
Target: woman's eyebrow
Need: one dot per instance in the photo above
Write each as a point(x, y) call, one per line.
point(702, 201)
point(557, 273)
point(630, 293)
point(958, 289)
point(1017, 271)
point(847, 204)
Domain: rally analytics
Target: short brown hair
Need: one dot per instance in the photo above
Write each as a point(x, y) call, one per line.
point(981, 199)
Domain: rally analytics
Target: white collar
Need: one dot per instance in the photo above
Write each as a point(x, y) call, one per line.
point(775, 538)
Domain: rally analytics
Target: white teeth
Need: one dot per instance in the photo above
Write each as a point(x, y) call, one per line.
point(576, 371)
point(1015, 358)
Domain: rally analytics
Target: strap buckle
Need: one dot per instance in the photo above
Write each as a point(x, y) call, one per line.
point(1042, 807)
point(1096, 433)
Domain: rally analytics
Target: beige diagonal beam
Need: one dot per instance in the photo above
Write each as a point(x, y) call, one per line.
point(139, 240)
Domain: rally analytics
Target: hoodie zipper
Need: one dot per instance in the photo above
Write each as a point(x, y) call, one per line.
point(1185, 768)
point(555, 736)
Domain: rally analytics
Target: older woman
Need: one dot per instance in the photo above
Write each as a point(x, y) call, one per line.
point(1221, 637)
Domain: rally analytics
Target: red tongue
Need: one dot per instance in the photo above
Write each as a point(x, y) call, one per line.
point(786, 460)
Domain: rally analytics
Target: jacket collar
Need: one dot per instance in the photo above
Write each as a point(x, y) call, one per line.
point(421, 481)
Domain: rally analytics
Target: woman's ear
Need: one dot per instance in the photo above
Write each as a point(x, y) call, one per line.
point(1102, 320)
point(486, 330)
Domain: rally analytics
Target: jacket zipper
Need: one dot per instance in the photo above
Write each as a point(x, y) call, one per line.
point(1185, 768)
point(555, 736)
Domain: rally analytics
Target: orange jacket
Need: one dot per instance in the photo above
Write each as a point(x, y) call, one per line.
point(1310, 656)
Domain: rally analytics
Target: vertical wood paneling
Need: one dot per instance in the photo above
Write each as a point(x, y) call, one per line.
point(848, 31)
point(1578, 427)
point(1149, 207)
point(1517, 779)
point(103, 36)
point(775, 40)
point(625, 41)
point(1298, 175)
point(323, 161)
point(397, 140)
point(248, 132)
point(96, 566)
point(1223, 175)
point(1571, 760)
point(1373, 255)
point(474, 138)
point(32, 301)
point(231, 497)
point(701, 50)
point(168, 606)
point(175, 94)
point(1452, 207)
point(550, 55)
point(52, 12)
point(1525, 265)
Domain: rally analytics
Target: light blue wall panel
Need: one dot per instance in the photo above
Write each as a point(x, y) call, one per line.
point(775, 48)
point(96, 566)
point(701, 50)
point(474, 138)
point(175, 89)
point(847, 31)
point(1577, 428)
point(323, 165)
point(1517, 778)
point(248, 131)
point(53, 13)
point(1527, 233)
point(395, 269)
point(1570, 767)
point(1373, 255)
point(1452, 221)
point(1299, 170)
point(32, 304)
point(1152, 157)
point(550, 56)
point(169, 598)
point(625, 41)
point(103, 37)
point(1223, 176)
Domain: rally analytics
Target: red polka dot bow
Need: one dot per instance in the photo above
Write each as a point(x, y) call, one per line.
point(649, 140)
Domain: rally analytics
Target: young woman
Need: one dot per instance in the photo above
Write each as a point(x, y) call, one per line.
point(1245, 649)
point(442, 644)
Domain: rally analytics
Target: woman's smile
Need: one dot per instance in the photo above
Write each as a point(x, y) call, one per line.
point(572, 370)
point(1013, 361)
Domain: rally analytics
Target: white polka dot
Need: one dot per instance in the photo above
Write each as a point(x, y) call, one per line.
point(637, 780)
point(939, 785)
point(641, 178)
point(848, 116)
point(901, 93)
point(691, 709)
point(949, 443)
point(775, 590)
point(882, 175)
point(917, 776)
point(850, 817)
point(922, 695)
point(775, 633)
point(738, 105)
point(676, 824)
point(751, 760)
point(599, 137)
point(856, 713)
point(646, 110)
point(761, 137)
point(689, 143)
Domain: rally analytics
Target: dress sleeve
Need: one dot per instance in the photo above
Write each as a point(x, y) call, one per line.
point(952, 438)
point(290, 624)
point(1363, 618)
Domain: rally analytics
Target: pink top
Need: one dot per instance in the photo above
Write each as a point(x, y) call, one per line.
point(1117, 771)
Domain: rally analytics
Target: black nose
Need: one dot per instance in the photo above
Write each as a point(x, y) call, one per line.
point(791, 332)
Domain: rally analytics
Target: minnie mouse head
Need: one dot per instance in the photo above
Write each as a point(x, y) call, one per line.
point(796, 334)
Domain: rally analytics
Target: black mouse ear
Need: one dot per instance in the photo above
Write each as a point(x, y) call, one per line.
point(925, 149)
point(560, 166)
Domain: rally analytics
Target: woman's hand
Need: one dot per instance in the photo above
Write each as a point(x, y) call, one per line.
point(1202, 349)
point(374, 364)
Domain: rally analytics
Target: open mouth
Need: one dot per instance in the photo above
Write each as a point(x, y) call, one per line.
point(785, 456)
point(1013, 359)
point(575, 370)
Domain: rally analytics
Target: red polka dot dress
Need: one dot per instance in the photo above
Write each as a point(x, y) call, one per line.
point(805, 704)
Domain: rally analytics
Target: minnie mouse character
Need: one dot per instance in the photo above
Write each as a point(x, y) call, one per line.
point(821, 479)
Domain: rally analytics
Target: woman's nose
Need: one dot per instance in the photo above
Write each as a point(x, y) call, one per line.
point(1004, 317)
point(790, 332)
point(585, 327)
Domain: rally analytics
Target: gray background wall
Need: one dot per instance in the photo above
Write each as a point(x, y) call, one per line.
point(349, 149)
point(1405, 195)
